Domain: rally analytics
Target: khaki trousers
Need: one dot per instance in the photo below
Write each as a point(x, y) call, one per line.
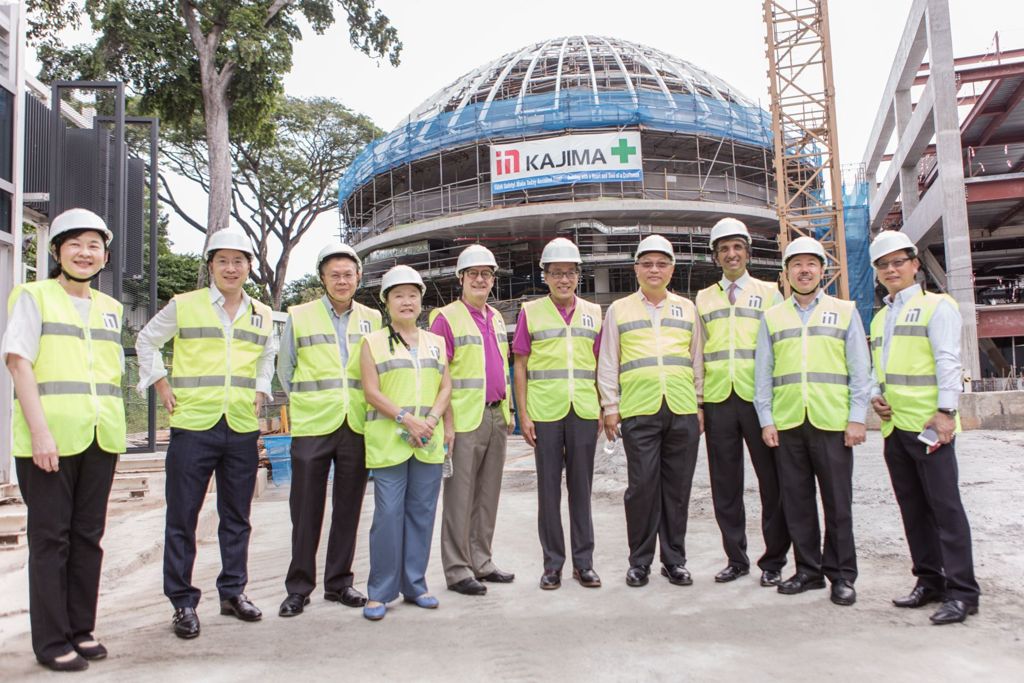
point(471, 498)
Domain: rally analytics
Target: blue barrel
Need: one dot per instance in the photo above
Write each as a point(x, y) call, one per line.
point(279, 454)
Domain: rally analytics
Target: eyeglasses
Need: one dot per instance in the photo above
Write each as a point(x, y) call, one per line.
point(895, 263)
point(655, 265)
point(237, 263)
point(482, 274)
point(563, 275)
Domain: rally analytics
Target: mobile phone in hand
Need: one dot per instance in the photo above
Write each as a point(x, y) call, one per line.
point(930, 438)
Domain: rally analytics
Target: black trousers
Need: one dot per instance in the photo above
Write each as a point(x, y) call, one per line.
point(807, 453)
point(661, 455)
point(938, 533)
point(67, 513)
point(727, 425)
point(192, 457)
point(311, 464)
point(568, 443)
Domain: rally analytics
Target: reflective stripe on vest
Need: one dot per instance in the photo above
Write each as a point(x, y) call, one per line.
point(810, 378)
point(561, 352)
point(467, 367)
point(908, 381)
point(654, 361)
point(731, 337)
point(323, 395)
point(77, 372)
point(409, 382)
point(213, 375)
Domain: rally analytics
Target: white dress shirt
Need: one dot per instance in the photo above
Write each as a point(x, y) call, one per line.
point(164, 326)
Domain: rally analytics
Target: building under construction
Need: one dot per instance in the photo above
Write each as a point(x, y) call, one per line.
point(613, 141)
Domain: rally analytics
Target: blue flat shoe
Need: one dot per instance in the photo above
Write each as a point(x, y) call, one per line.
point(376, 612)
point(426, 601)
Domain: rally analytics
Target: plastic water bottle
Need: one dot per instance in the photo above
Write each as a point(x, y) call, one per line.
point(611, 446)
point(446, 468)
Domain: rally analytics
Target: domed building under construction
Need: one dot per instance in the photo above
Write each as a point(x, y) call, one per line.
point(596, 139)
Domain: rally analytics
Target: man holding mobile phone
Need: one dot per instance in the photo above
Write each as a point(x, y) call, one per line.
point(915, 344)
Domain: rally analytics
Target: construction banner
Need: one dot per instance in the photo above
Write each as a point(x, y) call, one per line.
point(568, 159)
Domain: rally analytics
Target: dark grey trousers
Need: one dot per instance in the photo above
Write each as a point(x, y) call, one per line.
point(568, 443)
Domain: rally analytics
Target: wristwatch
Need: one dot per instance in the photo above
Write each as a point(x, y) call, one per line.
point(401, 415)
point(948, 411)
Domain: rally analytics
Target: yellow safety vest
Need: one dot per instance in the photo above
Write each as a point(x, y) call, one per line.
point(908, 381)
point(732, 337)
point(810, 379)
point(410, 383)
point(561, 369)
point(78, 372)
point(654, 361)
point(323, 394)
point(214, 376)
point(469, 379)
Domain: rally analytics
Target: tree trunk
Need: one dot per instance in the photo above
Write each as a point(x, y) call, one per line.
point(277, 286)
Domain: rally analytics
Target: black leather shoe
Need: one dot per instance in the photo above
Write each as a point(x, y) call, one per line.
point(637, 575)
point(771, 577)
point(293, 605)
point(953, 612)
point(76, 663)
point(551, 580)
point(587, 578)
point(186, 623)
point(468, 586)
point(677, 574)
point(498, 576)
point(919, 597)
point(90, 652)
point(730, 573)
point(348, 596)
point(843, 593)
point(800, 582)
point(240, 607)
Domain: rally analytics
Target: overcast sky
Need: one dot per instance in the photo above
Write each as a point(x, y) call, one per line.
point(444, 39)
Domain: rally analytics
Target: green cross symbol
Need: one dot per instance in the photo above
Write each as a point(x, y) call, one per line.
point(623, 151)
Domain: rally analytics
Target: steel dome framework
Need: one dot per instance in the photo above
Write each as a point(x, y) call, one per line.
point(421, 192)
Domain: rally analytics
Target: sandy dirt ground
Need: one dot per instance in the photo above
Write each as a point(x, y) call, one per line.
point(706, 632)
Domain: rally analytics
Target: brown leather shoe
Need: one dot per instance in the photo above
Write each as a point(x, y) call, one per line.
point(551, 580)
point(587, 578)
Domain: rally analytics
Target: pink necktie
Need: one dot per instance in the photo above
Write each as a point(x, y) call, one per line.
point(732, 293)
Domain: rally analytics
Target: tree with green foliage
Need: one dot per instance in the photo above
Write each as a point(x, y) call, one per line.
point(221, 60)
point(306, 288)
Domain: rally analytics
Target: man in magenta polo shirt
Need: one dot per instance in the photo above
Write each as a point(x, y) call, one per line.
point(476, 424)
point(556, 345)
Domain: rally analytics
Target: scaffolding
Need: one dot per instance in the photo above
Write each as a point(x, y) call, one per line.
point(807, 173)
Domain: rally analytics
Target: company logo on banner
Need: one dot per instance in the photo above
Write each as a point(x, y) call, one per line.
point(598, 158)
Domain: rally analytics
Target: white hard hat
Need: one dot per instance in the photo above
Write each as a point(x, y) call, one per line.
point(560, 250)
point(338, 249)
point(889, 241)
point(475, 255)
point(655, 243)
point(230, 237)
point(803, 245)
point(79, 219)
point(400, 275)
point(729, 227)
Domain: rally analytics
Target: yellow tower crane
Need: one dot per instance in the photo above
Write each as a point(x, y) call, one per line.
point(808, 178)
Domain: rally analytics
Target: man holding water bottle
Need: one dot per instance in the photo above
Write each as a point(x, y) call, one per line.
point(556, 344)
point(915, 344)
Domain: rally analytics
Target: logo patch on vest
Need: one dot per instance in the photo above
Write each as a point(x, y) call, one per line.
point(256, 320)
point(913, 315)
point(755, 301)
point(675, 311)
point(829, 318)
point(587, 320)
point(364, 326)
point(435, 352)
point(110, 321)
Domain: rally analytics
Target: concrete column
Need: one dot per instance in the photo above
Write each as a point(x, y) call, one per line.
point(602, 283)
point(950, 181)
point(908, 174)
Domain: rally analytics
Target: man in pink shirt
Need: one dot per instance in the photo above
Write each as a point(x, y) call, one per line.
point(476, 424)
point(556, 343)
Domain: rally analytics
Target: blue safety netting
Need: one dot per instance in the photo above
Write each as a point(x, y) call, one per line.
point(858, 263)
point(546, 113)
